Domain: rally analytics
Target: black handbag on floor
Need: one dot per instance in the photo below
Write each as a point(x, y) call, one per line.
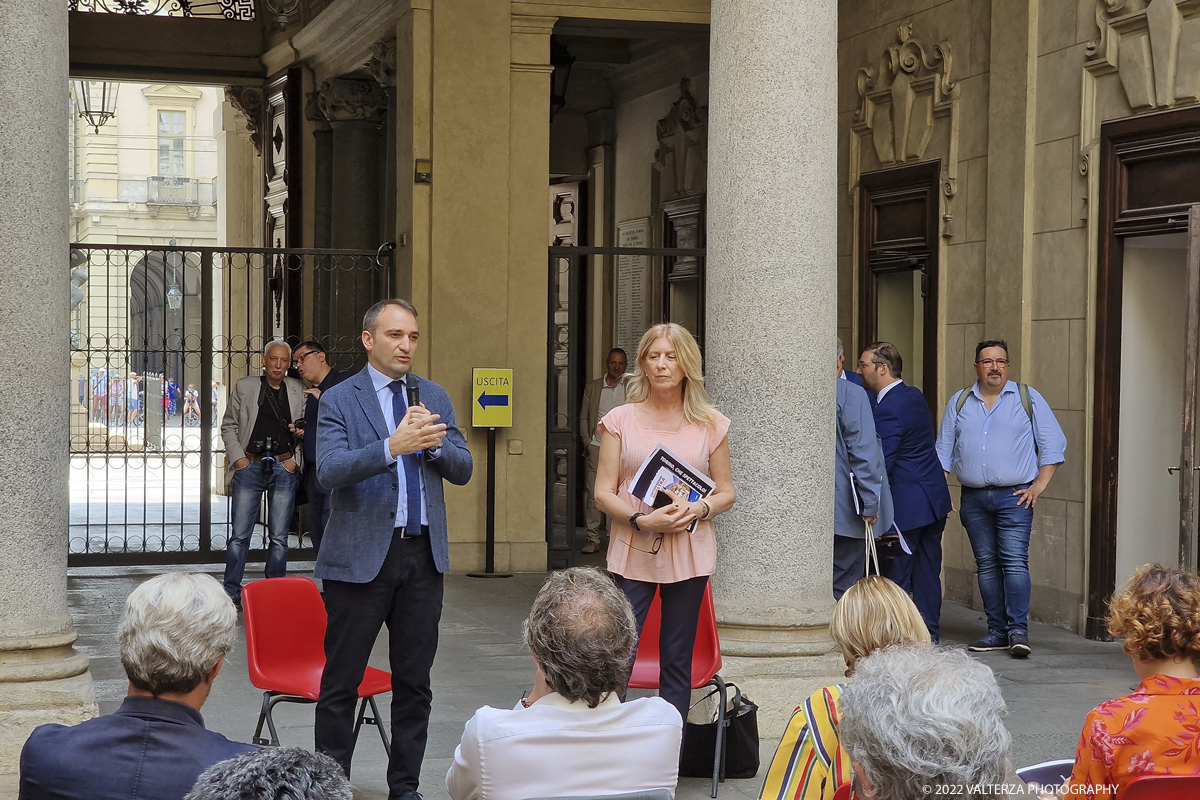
point(741, 741)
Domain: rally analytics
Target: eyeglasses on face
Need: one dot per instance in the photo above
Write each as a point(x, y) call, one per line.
point(299, 357)
point(864, 364)
point(988, 363)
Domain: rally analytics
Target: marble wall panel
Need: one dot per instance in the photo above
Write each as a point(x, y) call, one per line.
point(1054, 170)
point(965, 298)
point(975, 197)
point(1060, 274)
point(1051, 355)
point(1059, 94)
point(1056, 25)
point(1077, 366)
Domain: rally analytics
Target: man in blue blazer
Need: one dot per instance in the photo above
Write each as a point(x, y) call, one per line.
point(918, 484)
point(861, 492)
point(385, 546)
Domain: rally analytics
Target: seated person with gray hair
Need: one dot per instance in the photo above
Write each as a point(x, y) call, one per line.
point(916, 718)
point(174, 636)
point(572, 736)
point(274, 773)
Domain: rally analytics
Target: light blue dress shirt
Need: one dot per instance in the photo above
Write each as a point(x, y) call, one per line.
point(383, 391)
point(996, 448)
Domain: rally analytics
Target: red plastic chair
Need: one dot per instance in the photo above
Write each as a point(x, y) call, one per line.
point(706, 663)
point(1163, 787)
point(285, 650)
point(843, 792)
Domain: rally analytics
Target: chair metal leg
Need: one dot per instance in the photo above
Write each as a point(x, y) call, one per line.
point(722, 723)
point(378, 720)
point(358, 723)
point(263, 716)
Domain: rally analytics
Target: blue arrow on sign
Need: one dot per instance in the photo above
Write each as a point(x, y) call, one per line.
point(486, 400)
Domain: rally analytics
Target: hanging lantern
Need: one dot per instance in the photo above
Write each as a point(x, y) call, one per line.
point(95, 101)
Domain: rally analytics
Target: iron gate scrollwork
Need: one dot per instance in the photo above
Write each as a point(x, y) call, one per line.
point(159, 335)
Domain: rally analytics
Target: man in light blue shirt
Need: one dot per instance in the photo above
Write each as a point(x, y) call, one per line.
point(1001, 444)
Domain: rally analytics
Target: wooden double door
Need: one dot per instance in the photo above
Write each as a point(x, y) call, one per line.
point(1144, 469)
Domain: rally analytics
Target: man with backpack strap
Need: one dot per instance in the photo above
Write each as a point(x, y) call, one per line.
point(1003, 443)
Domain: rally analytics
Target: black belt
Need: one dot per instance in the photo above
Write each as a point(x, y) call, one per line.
point(402, 532)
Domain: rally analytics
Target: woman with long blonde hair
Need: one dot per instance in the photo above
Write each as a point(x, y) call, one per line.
point(651, 550)
point(810, 763)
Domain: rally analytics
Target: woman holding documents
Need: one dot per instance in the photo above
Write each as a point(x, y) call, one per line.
point(664, 475)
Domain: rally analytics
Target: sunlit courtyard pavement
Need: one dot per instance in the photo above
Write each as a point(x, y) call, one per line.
point(481, 661)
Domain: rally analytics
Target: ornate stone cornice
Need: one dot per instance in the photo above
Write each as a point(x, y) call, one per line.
point(383, 62)
point(1155, 48)
point(347, 100)
point(249, 101)
point(900, 103)
point(907, 75)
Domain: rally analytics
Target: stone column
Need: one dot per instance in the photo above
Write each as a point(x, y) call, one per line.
point(355, 110)
point(771, 305)
point(42, 678)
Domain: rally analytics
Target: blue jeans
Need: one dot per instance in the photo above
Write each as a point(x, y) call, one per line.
point(999, 532)
point(249, 483)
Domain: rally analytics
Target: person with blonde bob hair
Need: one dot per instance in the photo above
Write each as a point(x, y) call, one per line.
point(1152, 731)
point(651, 550)
point(810, 763)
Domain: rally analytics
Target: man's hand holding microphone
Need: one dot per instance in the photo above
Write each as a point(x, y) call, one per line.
point(418, 430)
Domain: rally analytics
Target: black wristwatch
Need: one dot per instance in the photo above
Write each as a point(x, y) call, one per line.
point(633, 520)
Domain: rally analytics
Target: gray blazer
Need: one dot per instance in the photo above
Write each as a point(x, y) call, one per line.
point(351, 463)
point(242, 412)
point(859, 453)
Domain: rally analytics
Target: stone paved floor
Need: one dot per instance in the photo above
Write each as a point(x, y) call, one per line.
point(481, 661)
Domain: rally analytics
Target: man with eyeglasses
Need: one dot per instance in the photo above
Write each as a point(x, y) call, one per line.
point(920, 496)
point(311, 361)
point(1002, 441)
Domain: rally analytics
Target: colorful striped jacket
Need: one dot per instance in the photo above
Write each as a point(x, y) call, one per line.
point(810, 763)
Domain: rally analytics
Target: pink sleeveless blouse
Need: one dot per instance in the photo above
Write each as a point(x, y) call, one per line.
point(681, 556)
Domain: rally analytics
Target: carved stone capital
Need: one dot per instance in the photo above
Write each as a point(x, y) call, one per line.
point(249, 101)
point(347, 100)
point(383, 62)
point(312, 111)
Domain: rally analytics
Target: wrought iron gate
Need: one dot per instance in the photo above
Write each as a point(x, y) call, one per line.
point(564, 382)
point(159, 335)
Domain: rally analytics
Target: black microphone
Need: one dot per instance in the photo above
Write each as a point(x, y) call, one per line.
point(413, 391)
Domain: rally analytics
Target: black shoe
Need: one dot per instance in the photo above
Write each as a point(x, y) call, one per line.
point(1018, 645)
point(990, 641)
point(238, 605)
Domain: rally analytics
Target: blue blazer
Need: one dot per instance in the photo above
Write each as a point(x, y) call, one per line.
point(860, 470)
point(918, 483)
point(852, 376)
point(148, 748)
point(352, 465)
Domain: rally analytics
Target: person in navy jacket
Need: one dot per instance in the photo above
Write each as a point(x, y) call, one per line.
point(919, 493)
point(174, 636)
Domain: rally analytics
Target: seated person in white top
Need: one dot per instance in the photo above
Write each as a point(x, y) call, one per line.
point(572, 736)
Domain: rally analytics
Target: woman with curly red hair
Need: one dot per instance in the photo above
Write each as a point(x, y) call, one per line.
point(1155, 730)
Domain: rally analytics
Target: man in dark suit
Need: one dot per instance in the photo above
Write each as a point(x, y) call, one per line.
point(310, 361)
point(919, 492)
point(174, 636)
point(385, 546)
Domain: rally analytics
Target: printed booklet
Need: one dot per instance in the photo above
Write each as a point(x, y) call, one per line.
point(665, 478)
